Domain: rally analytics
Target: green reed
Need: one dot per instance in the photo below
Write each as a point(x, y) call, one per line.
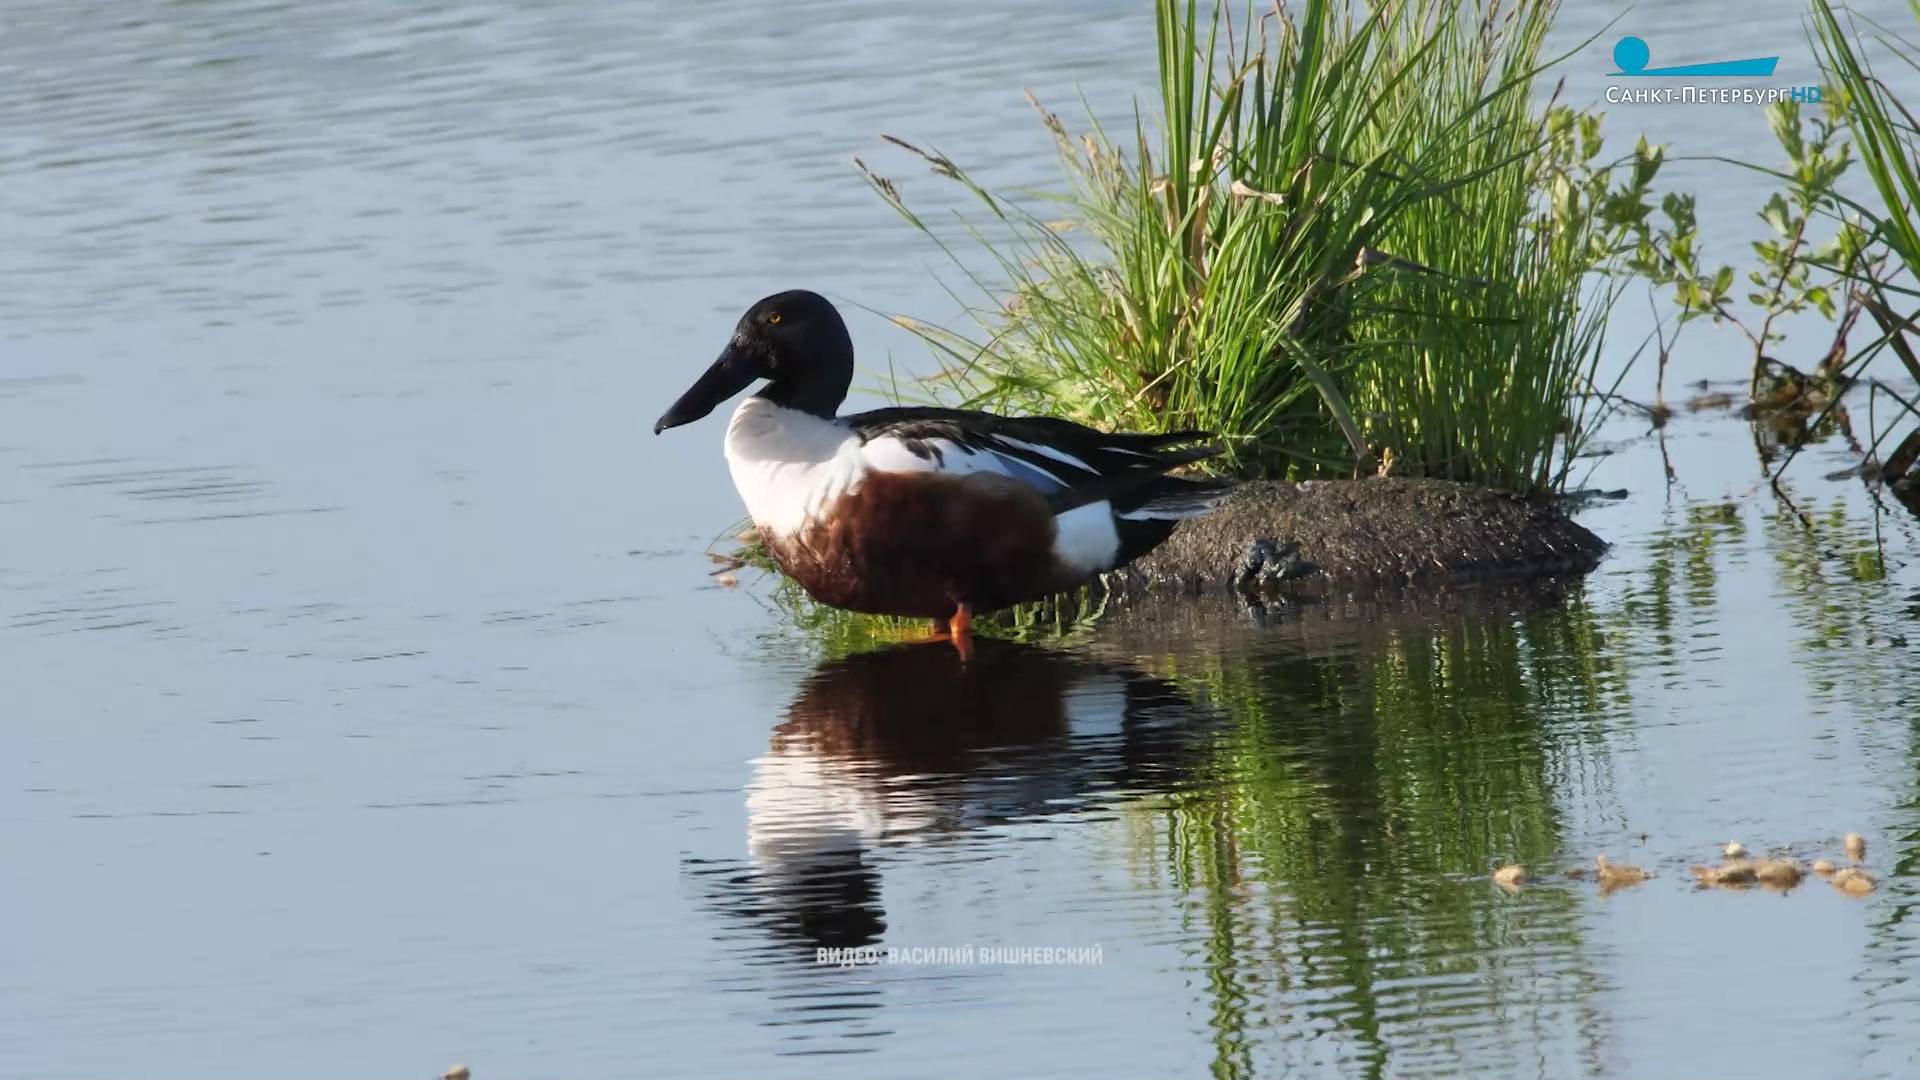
point(1349, 240)
point(1887, 136)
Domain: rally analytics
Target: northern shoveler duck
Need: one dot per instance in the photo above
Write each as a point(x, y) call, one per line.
point(935, 513)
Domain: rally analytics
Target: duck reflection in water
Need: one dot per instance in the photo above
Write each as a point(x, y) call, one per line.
point(910, 745)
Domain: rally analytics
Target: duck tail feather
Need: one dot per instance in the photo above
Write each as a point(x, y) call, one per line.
point(1173, 499)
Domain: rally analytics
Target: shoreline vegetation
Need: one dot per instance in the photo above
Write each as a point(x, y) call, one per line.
point(1370, 241)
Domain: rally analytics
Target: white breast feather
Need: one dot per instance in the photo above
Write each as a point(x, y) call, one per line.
point(788, 465)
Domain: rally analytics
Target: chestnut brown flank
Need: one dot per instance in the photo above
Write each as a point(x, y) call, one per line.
point(919, 544)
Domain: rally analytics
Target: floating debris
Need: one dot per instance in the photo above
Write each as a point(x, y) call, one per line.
point(1709, 402)
point(1778, 873)
point(1856, 847)
point(1853, 881)
point(1732, 874)
point(458, 1072)
point(1740, 870)
point(725, 581)
point(1613, 875)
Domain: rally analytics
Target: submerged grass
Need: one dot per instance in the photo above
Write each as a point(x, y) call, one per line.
point(1349, 241)
point(837, 632)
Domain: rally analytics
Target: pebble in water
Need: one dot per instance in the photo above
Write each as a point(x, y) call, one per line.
point(1856, 846)
point(1736, 850)
point(1779, 873)
point(1613, 875)
point(1853, 881)
point(1510, 877)
point(1732, 874)
point(1823, 867)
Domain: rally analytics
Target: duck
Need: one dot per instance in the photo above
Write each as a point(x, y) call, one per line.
point(928, 512)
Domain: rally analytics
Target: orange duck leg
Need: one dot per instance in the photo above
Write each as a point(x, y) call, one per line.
point(960, 630)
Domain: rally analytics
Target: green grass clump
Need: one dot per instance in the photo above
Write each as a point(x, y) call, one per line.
point(1888, 138)
point(1345, 240)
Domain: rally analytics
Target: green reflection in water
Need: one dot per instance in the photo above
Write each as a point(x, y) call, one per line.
point(1678, 582)
point(1832, 580)
point(1337, 847)
point(1857, 645)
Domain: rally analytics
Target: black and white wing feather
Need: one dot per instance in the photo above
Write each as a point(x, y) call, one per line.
point(1072, 465)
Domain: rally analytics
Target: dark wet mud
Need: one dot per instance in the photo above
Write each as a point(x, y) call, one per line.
point(1277, 538)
